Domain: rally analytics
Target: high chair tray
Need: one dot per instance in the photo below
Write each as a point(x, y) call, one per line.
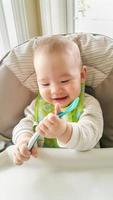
point(58, 174)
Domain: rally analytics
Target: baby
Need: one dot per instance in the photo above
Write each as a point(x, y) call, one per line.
point(61, 79)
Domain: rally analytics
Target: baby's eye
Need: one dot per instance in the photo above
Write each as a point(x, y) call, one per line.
point(64, 81)
point(45, 84)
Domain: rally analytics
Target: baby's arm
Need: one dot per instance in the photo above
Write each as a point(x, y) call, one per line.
point(21, 136)
point(87, 132)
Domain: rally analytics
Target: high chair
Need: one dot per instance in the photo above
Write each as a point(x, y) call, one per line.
point(57, 173)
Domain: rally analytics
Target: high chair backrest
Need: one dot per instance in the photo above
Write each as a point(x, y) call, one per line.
point(18, 84)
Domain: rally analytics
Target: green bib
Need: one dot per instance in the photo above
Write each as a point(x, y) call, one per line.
point(42, 109)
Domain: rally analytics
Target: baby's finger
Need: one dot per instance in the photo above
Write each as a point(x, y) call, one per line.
point(57, 108)
point(53, 118)
point(24, 151)
point(34, 152)
point(19, 156)
point(48, 123)
point(18, 162)
point(43, 127)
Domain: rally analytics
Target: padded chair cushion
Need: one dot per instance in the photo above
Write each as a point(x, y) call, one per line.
point(97, 54)
point(14, 97)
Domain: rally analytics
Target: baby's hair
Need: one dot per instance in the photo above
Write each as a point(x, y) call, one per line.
point(57, 43)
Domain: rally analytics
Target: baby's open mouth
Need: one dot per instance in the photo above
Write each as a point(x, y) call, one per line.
point(60, 99)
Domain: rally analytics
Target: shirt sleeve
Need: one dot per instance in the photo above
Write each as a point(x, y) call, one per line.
point(87, 132)
point(26, 124)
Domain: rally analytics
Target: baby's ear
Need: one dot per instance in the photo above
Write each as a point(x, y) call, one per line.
point(57, 108)
point(83, 73)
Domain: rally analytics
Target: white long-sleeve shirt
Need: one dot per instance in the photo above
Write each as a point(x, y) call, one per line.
point(86, 133)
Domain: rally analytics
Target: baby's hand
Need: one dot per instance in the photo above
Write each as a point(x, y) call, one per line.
point(52, 126)
point(21, 151)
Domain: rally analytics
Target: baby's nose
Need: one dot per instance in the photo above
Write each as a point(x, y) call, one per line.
point(55, 89)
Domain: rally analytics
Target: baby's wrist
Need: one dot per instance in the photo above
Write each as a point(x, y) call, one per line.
point(23, 137)
point(66, 135)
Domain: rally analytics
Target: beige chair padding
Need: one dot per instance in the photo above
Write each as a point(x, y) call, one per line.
point(97, 54)
point(14, 97)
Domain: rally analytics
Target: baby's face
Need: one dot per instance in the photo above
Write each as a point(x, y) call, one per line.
point(59, 77)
